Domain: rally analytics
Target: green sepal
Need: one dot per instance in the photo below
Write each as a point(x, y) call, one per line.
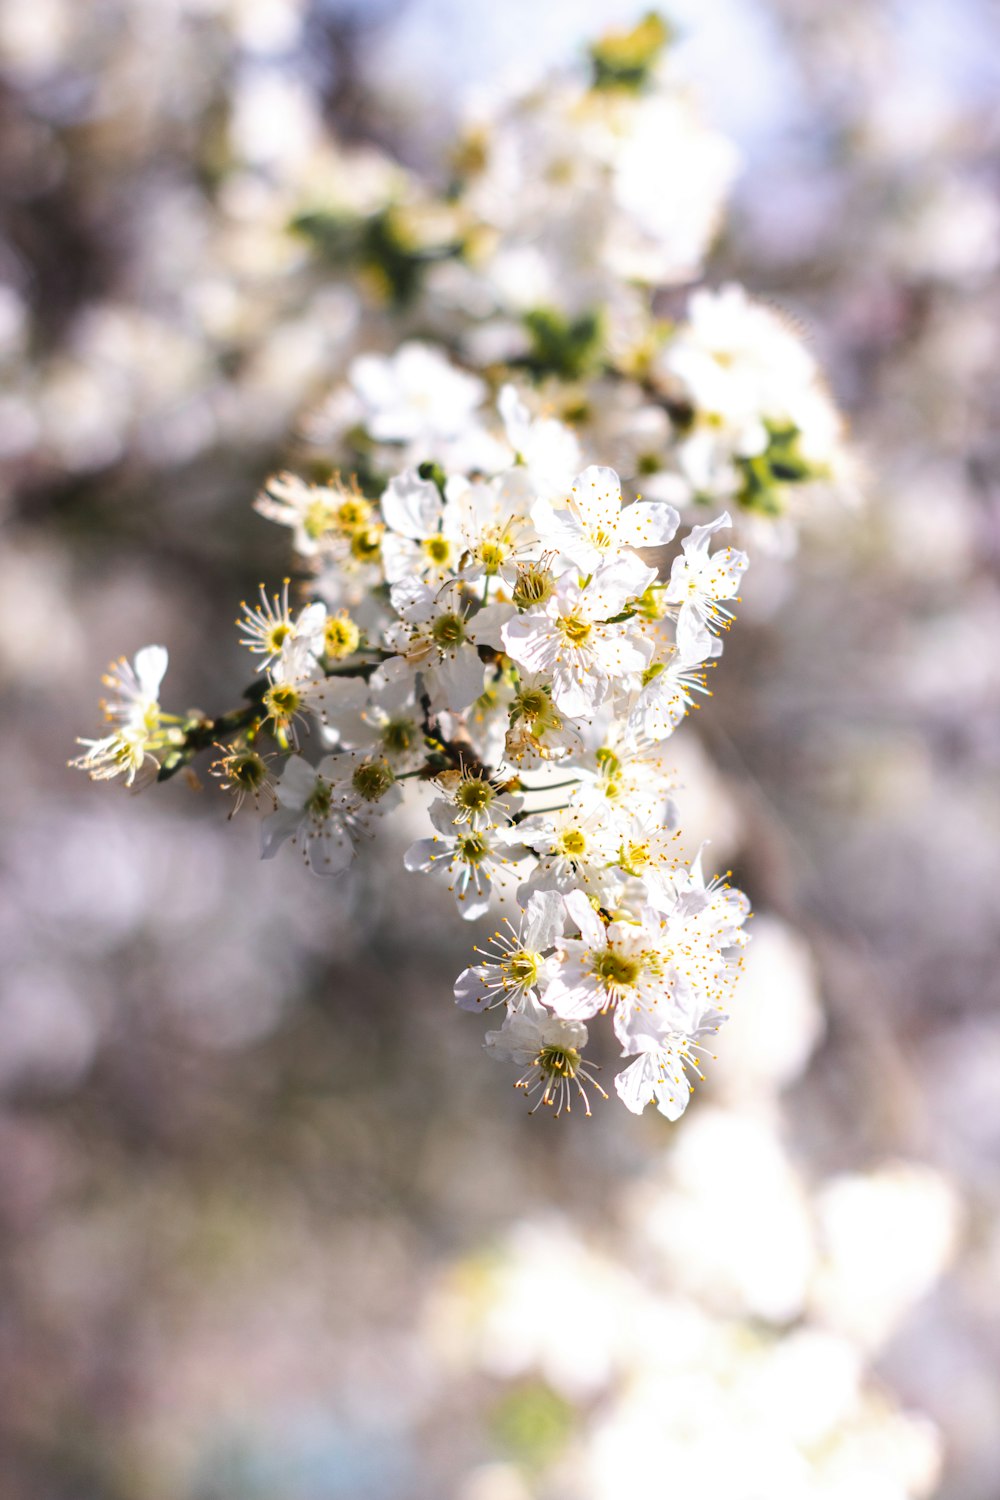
point(625, 59)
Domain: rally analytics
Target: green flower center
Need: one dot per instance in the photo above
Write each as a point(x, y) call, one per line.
point(615, 970)
point(366, 543)
point(398, 735)
point(533, 586)
point(474, 794)
point(533, 702)
point(372, 780)
point(282, 699)
point(473, 848)
point(522, 967)
point(247, 769)
point(558, 1062)
point(448, 630)
point(320, 800)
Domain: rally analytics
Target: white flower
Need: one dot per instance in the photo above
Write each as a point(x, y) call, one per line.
point(699, 581)
point(738, 362)
point(141, 730)
point(270, 626)
point(298, 686)
point(421, 539)
point(322, 517)
point(364, 786)
point(648, 853)
point(551, 1050)
point(477, 799)
point(414, 394)
point(471, 860)
point(437, 638)
point(308, 810)
point(576, 848)
point(671, 176)
point(659, 1073)
point(492, 519)
point(626, 777)
point(594, 528)
point(704, 930)
point(622, 966)
point(379, 718)
point(665, 697)
point(136, 686)
point(515, 960)
point(547, 449)
point(574, 641)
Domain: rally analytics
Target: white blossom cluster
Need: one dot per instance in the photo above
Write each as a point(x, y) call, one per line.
point(507, 644)
point(572, 214)
point(491, 611)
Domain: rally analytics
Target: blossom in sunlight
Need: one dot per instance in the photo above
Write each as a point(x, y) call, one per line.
point(551, 1050)
point(502, 610)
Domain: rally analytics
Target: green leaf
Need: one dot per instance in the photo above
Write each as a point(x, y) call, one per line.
point(563, 346)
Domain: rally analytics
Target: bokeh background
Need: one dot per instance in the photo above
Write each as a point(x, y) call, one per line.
point(271, 1223)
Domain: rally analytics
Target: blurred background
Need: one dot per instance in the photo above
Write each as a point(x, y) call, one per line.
point(270, 1223)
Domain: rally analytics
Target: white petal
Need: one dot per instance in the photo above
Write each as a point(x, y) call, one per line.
point(585, 918)
point(648, 523)
point(421, 855)
point(412, 506)
point(459, 679)
point(545, 919)
point(634, 1085)
point(276, 828)
point(471, 991)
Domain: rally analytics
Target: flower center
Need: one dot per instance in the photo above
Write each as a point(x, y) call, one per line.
point(246, 769)
point(575, 628)
point(341, 636)
point(492, 554)
point(533, 586)
point(398, 735)
point(278, 635)
point(474, 794)
point(635, 857)
point(448, 630)
point(353, 513)
point(282, 699)
point(372, 780)
point(572, 842)
point(522, 967)
point(438, 549)
point(558, 1062)
point(615, 970)
point(533, 702)
point(320, 800)
point(473, 848)
point(366, 543)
